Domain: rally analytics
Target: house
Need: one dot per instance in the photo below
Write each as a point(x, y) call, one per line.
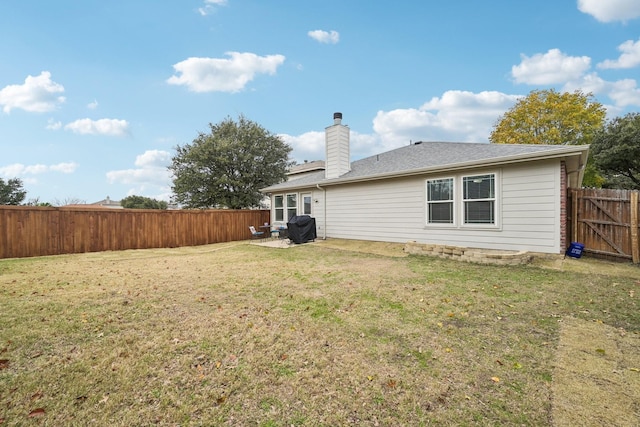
point(475, 195)
point(304, 169)
point(107, 203)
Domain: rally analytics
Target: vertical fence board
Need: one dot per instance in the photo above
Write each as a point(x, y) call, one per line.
point(635, 241)
point(35, 231)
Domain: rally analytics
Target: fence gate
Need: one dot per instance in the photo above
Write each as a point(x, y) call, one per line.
point(606, 222)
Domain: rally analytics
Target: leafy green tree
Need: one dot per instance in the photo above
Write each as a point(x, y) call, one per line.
point(592, 176)
point(11, 192)
point(616, 150)
point(554, 118)
point(227, 167)
point(140, 202)
point(36, 202)
point(550, 117)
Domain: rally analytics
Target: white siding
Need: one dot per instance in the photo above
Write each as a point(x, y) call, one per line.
point(395, 211)
point(337, 160)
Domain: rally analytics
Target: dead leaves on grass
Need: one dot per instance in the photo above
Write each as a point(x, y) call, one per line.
point(201, 364)
point(38, 412)
point(203, 372)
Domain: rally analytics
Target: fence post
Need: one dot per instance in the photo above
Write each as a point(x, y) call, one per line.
point(635, 245)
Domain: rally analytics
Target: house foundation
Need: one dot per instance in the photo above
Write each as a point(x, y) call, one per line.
point(476, 255)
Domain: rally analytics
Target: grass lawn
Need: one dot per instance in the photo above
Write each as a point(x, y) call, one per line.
point(330, 333)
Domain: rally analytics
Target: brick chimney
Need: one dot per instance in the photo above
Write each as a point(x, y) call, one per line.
point(337, 148)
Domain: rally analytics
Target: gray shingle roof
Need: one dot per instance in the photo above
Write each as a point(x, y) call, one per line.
point(306, 167)
point(431, 156)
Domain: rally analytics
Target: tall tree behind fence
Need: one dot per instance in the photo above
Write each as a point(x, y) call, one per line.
point(606, 222)
point(27, 231)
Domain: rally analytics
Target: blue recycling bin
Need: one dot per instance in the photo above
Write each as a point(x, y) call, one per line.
point(575, 250)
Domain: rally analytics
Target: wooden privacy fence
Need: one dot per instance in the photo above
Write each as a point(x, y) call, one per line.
point(606, 222)
point(27, 231)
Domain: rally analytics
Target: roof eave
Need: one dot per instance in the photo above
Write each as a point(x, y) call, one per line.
point(568, 151)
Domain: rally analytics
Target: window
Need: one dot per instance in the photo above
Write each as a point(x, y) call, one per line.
point(285, 203)
point(440, 201)
point(278, 204)
point(306, 204)
point(292, 207)
point(479, 199)
point(463, 201)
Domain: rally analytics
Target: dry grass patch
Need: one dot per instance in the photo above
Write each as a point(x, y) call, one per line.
point(597, 369)
point(312, 335)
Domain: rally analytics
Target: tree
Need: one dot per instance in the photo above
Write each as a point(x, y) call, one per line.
point(616, 150)
point(36, 202)
point(550, 117)
point(592, 177)
point(11, 192)
point(69, 201)
point(227, 167)
point(140, 202)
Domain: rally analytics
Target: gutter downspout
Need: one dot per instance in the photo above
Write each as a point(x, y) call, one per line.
point(324, 211)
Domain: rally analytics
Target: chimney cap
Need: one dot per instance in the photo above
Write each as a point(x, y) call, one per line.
point(337, 115)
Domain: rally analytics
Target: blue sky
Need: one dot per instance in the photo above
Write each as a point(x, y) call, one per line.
point(95, 95)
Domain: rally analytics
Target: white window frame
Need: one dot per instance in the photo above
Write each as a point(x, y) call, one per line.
point(492, 199)
point(451, 201)
point(303, 209)
point(282, 208)
point(289, 207)
point(459, 202)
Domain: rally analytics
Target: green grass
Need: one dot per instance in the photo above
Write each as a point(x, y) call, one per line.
point(312, 335)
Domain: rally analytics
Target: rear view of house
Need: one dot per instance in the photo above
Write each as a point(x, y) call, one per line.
point(478, 195)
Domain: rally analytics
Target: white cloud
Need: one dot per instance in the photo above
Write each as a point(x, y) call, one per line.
point(64, 167)
point(623, 93)
point(550, 68)
point(457, 115)
point(223, 75)
point(110, 127)
point(367, 144)
point(38, 94)
point(629, 58)
point(53, 125)
point(308, 146)
point(329, 37)
point(139, 176)
point(151, 175)
point(556, 68)
point(35, 169)
point(210, 6)
point(610, 10)
point(14, 170)
point(153, 158)
point(19, 170)
point(92, 105)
